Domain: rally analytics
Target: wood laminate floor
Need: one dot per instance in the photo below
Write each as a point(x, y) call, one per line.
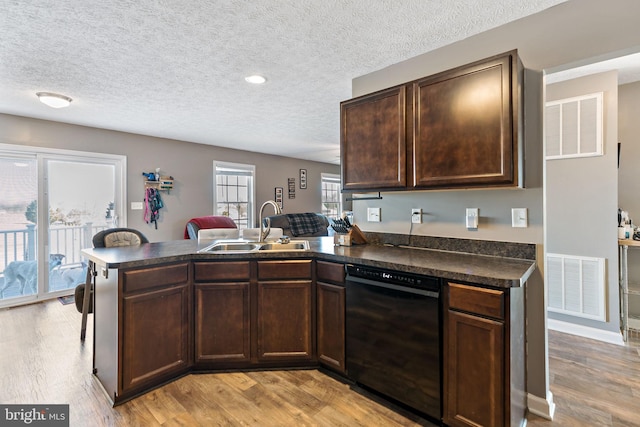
point(593, 383)
point(42, 361)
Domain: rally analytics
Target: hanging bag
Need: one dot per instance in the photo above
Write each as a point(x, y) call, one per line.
point(153, 204)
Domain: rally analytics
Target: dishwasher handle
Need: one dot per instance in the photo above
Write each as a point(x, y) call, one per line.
point(416, 291)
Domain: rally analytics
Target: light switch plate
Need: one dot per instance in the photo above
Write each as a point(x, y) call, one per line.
point(373, 214)
point(136, 206)
point(519, 218)
point(472, 218)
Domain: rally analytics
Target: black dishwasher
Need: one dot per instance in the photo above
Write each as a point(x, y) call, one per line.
point(393, 336)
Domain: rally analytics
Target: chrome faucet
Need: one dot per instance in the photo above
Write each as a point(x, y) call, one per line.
point(264, 233)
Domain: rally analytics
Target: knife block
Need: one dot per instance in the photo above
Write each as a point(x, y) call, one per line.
point(357, 237)
point(354, 236)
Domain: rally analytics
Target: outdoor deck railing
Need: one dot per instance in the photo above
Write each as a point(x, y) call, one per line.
point(20, 245)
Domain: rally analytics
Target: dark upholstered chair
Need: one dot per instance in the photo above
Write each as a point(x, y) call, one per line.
point(206, 222)
point(110, 238)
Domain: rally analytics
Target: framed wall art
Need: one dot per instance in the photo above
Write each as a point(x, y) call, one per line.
point(303, 179)
point(292, 187)
point(278, 196)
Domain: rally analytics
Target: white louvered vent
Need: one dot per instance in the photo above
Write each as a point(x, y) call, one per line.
point(576, 286)
point(573, 127)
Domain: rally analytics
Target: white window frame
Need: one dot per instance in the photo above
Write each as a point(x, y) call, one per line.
point(236, 167)
point(333, 179)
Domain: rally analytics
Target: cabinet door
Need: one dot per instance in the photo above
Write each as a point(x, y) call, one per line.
point(222, 326)
point(474, 371)
point(463, 126)
point(155, 336)
point(284, 320)
point(331, 324)
point(373, 141)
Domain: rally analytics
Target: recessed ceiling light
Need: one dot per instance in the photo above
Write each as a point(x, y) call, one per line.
point(255, 79)
point(54, 100)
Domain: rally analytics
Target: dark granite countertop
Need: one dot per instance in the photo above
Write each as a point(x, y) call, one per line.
point(487, 270)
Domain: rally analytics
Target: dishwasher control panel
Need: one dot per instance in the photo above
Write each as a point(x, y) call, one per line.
point(393, 277)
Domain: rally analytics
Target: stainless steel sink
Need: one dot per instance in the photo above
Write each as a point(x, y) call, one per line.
point(293, 245)
point(243, 246)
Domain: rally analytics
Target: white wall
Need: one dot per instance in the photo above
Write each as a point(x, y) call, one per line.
point(582, 199)
point(190, 164)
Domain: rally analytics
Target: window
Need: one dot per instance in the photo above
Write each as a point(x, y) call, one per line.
point(331, 201)
point(234, 192)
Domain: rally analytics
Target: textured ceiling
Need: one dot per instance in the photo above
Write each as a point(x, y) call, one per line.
point(175, 68)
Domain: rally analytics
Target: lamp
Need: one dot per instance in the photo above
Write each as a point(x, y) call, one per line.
point(255, 79)
point(54, 100)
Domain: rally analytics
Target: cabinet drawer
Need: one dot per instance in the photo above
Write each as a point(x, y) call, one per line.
point(221, 271)
point(146, 278)
point(485, 302)
point(330, 272)
point(284, 269)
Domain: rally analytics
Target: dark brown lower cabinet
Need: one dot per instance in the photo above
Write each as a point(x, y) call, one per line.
point(484, 357)
point(331, 315)
point(475, 363)
point(285, 311)
point(284, 321)
point(222, 314)
point(331, 333)
point(154, 341)
point(250, 313)
point(155, 337)
point(222, 323)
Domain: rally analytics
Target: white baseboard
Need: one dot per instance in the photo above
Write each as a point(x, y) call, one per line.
point(544, 408)
point(585, 331)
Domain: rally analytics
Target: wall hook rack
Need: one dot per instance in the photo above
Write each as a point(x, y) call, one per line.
point(157, 181)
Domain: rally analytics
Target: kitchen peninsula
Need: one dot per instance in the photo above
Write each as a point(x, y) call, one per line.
point(163, 310)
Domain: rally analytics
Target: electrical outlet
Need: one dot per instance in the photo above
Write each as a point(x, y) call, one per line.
point(472, 218)
point(373, 214)
point(416, 216)
point(519, 218)
point(137, 206)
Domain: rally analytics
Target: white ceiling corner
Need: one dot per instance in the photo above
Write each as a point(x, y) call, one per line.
point(176, 69)
point(627, 66)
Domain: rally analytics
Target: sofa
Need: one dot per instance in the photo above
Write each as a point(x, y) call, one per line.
point(307, 224)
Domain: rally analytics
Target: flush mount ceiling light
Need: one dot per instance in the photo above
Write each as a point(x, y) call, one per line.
point(255, 79)
point(54, 100)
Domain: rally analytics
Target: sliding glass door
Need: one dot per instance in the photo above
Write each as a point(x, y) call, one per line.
point(55, 202)
point(80, 197)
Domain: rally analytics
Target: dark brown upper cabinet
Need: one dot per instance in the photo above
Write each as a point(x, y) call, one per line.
point(459, 129)
point(373, 143)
